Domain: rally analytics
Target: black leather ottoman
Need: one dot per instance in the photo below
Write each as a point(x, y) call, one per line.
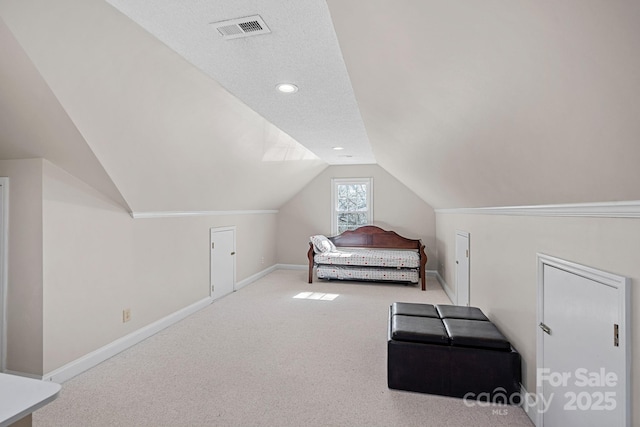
point(449, 354)
point(413, 309)
point(459, 312)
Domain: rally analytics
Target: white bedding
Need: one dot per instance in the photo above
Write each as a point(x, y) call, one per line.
point(378, 274)
point(369, 258)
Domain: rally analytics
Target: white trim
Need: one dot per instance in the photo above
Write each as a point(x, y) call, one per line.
point(622, 284)
point(98, 356)
point(342, 181)
point(176, 214)
point(626, 209)
point(224, 228)
point(531, 410)
point(254, 277)
point(292, 266)
point(447, 290)
point(4, 276)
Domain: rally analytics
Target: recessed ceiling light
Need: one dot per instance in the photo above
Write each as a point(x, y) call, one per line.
point(338, 148)
point(287, 88)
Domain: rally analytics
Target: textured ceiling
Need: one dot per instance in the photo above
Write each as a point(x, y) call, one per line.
point(170, 137)
point(301, 48)
point(469, 104)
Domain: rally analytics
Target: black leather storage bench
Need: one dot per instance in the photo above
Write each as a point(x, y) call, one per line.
point(450, 351)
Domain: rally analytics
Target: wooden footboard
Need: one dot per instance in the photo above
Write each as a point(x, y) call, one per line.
point(372, 237)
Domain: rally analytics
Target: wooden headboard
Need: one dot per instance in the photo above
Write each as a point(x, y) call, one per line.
point(370, 236)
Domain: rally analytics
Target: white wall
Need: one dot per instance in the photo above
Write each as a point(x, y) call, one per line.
point(24, 288)
point(98, 261)
point(504, 268)
point(395, 208)
point(88, 269)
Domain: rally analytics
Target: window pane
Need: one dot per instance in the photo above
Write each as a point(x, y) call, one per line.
point(352, 197)
point(351, 221)
point(351, 204)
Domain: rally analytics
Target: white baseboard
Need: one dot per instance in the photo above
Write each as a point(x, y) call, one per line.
point(241, 284)
point(530, 407)
point(447, 290)
point(98, 356)
point(292, 266)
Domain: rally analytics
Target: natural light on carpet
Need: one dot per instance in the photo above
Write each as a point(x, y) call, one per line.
point(317, 295)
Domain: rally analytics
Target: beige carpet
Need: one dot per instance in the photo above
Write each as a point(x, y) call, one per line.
point(260, 357)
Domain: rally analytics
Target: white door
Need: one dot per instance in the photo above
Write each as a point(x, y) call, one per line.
point(223, 261)
point(462, 268)
point(582, 367)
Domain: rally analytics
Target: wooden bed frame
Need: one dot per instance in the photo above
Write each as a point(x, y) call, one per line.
point(370, 237)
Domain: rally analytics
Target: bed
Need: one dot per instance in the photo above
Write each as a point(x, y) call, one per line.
point(367, 253)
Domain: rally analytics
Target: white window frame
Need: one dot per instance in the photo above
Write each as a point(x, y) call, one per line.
point(334, 201)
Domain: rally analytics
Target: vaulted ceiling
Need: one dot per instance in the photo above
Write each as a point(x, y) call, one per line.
point(499, 103)
point(468, 103)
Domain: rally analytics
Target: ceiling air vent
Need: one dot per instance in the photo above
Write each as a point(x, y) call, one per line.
point(241, 27)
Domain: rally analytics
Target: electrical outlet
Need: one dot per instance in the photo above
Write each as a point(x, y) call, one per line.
point(126, 315)
point(262, 260)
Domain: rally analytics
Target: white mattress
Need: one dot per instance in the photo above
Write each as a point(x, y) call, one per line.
point(370, 258)
point(368, 273)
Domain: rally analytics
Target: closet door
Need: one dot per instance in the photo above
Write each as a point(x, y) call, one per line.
point(462, 268)
point(583, 354)
point(223, 261)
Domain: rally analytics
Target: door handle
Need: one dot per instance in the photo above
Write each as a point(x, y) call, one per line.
point(545, 328)
point(233, 253)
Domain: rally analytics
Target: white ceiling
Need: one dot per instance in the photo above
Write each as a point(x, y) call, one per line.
point(468, 103)
point(499, 102)
point(169, 137)
point(301, 49)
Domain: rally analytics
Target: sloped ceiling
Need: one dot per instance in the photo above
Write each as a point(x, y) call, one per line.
point(300, 48)
point(33, 124)
point(170, 138)
point(468, 103)
point(500, 102)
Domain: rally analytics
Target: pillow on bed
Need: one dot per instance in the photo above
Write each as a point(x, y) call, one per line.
point(322, 244)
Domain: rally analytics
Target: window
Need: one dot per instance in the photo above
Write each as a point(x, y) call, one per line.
point(352, 203)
